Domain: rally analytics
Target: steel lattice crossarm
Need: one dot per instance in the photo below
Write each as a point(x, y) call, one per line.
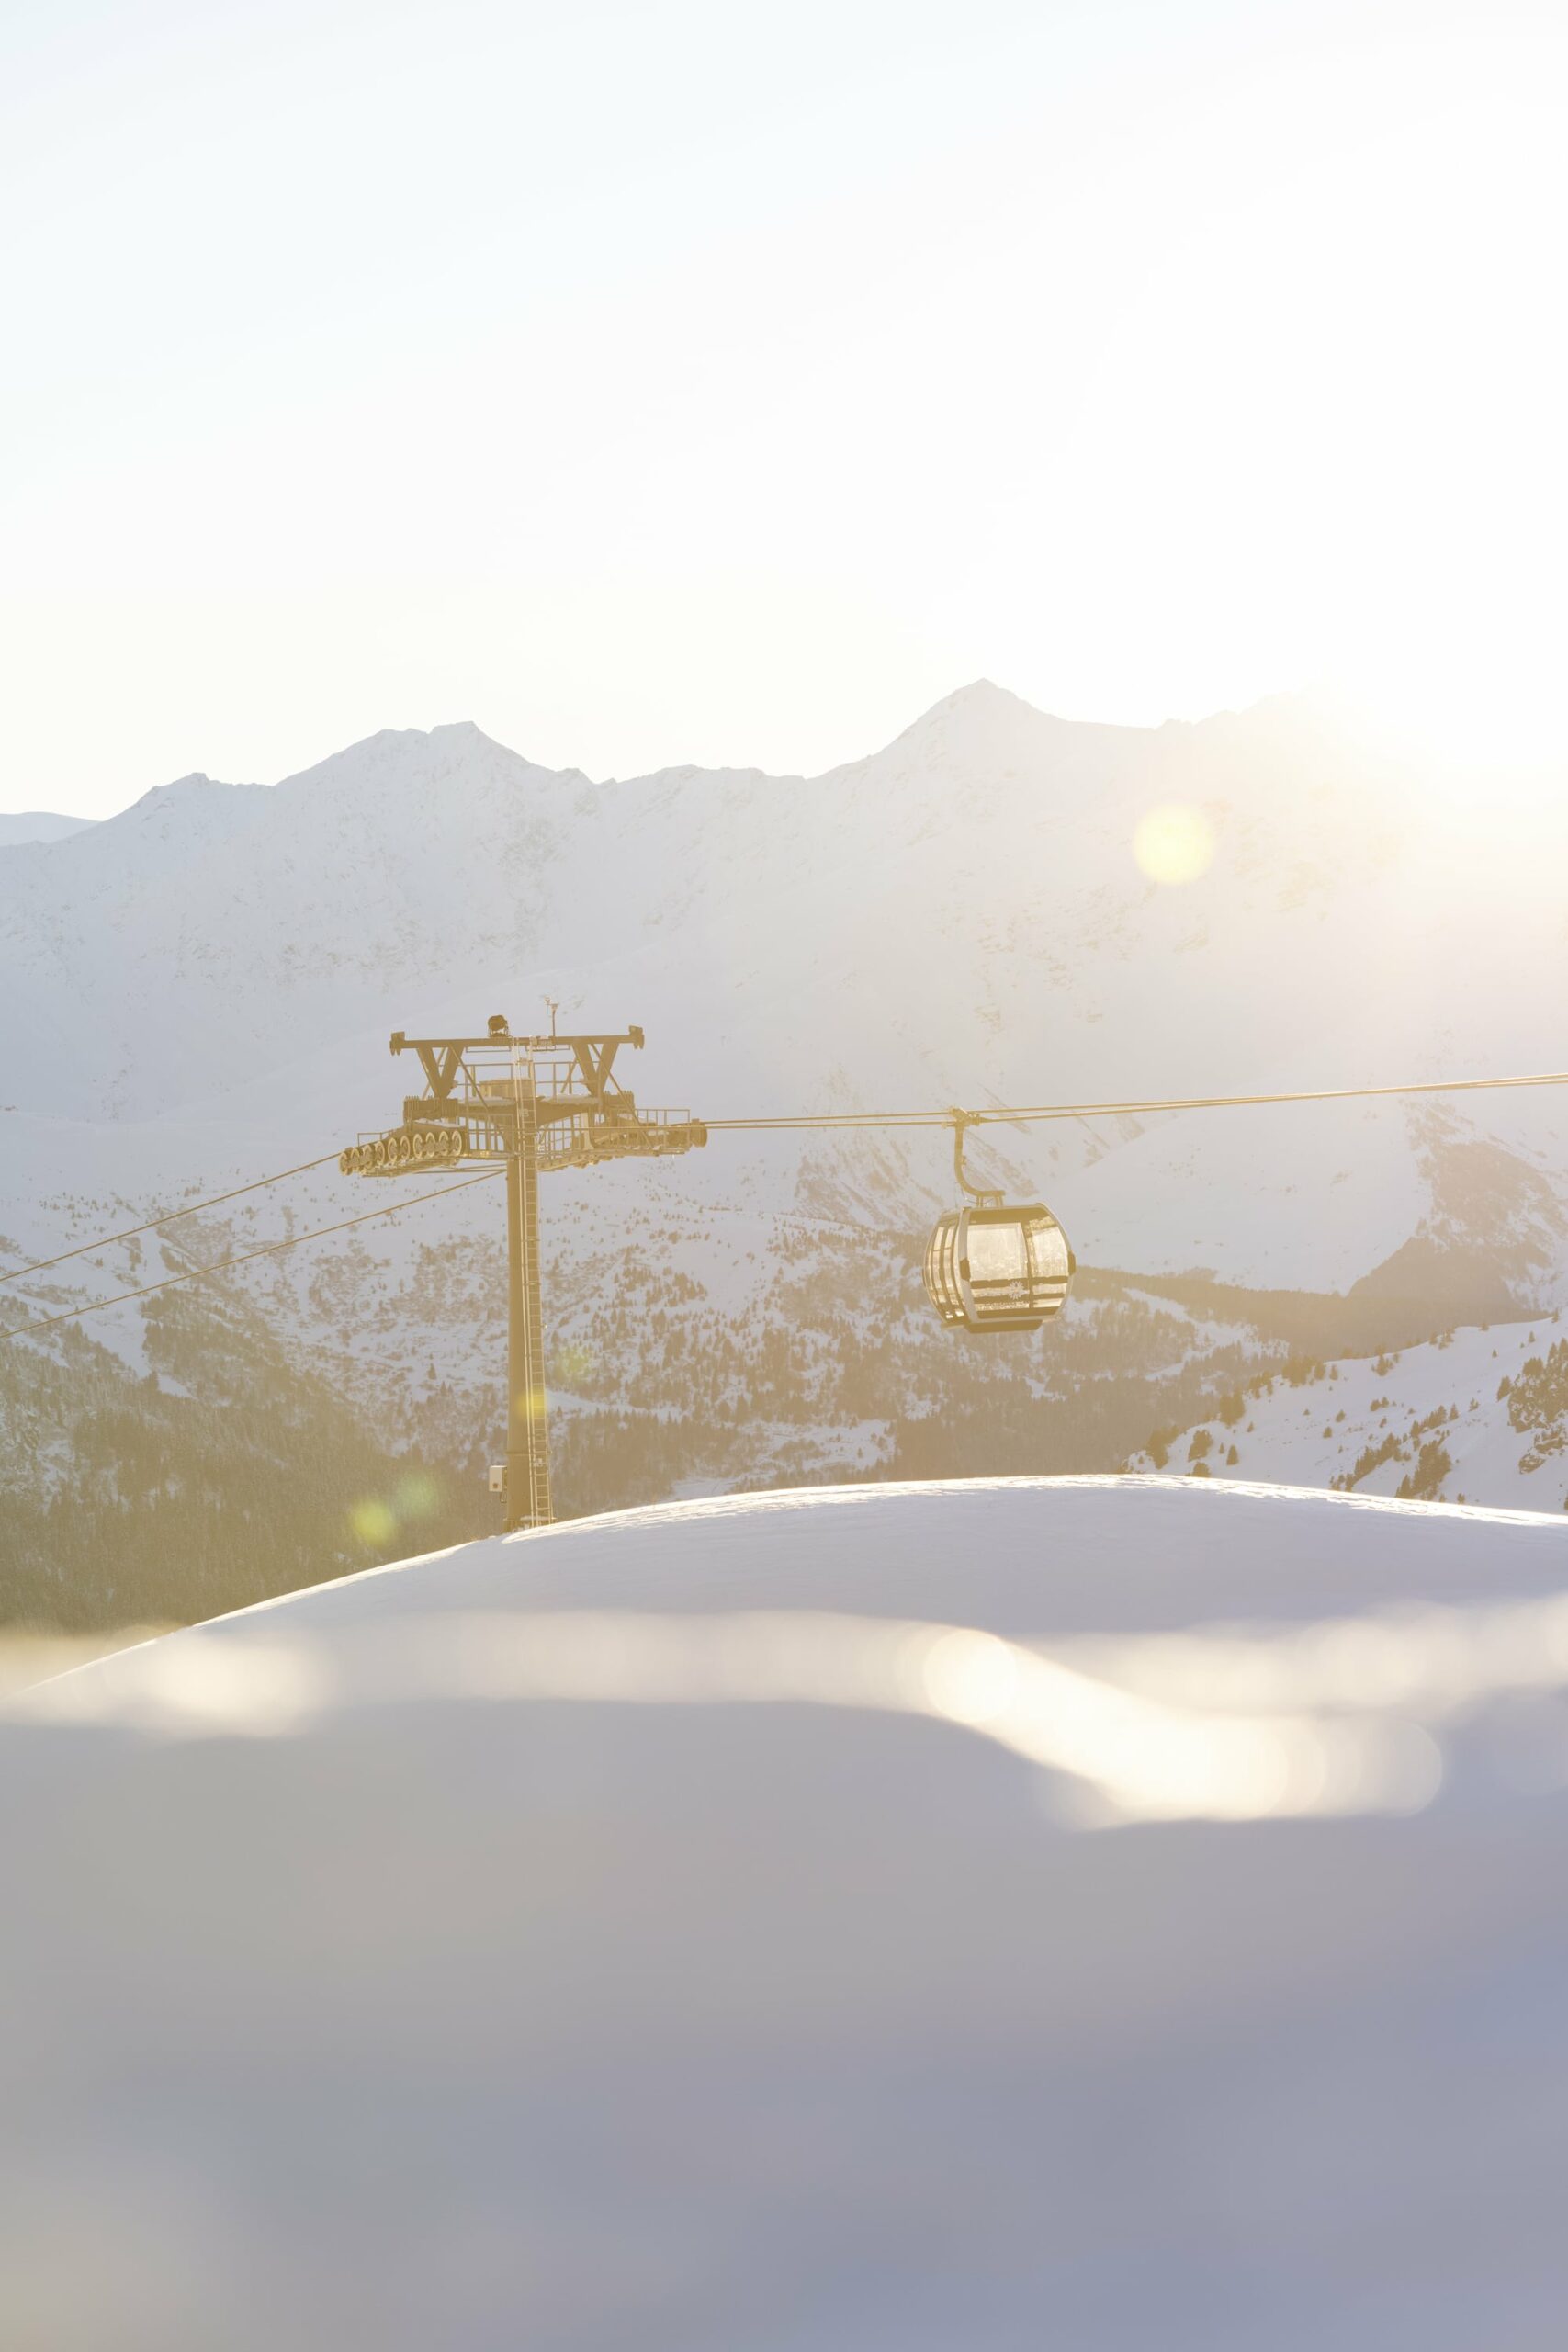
point(581, 1113)
point(527, 1104)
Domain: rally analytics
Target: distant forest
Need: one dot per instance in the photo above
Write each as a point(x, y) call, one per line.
point(234, 1469)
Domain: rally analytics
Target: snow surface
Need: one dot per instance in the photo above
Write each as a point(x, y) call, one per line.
point(1103, 1912)
point(1455, 1390)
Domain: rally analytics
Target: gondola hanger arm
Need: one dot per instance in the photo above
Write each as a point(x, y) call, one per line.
point(962, 1122)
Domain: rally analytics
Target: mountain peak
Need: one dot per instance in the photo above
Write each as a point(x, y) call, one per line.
point(981, 700)
point(463, 730)
point(980, 723)
point(417, 760)
point(981, 691)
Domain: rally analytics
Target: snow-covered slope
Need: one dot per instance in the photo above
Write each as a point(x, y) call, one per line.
point(710, 1928)
point(1478, 1415)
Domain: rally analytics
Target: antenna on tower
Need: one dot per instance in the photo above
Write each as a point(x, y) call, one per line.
point(554, 1004)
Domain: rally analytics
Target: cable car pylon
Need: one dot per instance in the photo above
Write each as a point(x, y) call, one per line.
point(535, 1105)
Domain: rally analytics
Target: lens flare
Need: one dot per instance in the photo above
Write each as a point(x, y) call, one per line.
point(1174, 843)
point(373, 1522)
point(417, 1496)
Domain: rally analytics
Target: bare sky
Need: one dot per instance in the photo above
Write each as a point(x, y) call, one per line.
point(727, 382)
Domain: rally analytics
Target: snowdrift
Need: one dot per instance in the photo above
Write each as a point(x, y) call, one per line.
point(1101, 1912)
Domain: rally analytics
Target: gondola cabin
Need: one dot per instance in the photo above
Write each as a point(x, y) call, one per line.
point(997, 1269)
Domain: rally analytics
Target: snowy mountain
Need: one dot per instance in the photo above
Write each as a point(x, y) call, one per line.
point(1100, 1912)
point(201, 989)
point(958, 918)
point(37, 825)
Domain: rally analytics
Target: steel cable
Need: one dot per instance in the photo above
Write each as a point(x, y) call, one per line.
point(85, 1248)
point(243, 1258)
point(817, 1121)
point(1019, 1114)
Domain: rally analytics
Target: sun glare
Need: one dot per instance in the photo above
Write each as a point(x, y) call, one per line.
point(1174, 843)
